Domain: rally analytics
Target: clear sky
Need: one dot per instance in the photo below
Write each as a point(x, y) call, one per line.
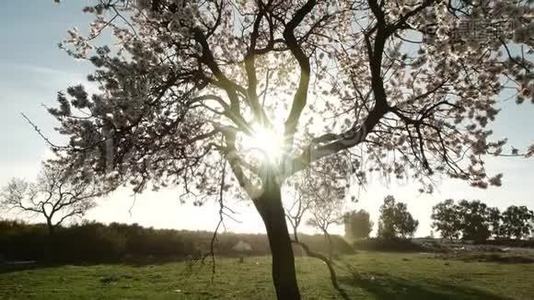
point(33, 69)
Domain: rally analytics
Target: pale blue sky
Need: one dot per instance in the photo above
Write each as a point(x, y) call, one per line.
point(33, 70)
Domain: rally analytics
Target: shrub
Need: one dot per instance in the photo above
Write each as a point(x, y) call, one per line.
point(96, 242)
point(388, 245)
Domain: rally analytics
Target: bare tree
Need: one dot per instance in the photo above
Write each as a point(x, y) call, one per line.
point(307, 205)
point(325, 209)
point(296, 213)
point(52, 196)
point(186, 83)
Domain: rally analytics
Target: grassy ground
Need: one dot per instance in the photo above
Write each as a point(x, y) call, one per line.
point(365, 275)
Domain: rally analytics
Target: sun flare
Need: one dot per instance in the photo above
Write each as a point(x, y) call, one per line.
point(264, 143)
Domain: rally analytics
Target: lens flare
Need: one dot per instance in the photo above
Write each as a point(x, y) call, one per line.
point(264, 143)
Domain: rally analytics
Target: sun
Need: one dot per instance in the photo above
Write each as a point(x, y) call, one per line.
point(264, 144)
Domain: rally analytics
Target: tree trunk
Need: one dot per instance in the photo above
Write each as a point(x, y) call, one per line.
point(49, 243)
point(330, 245)
point(329, 263)
point(51, 228)
point(270, 207)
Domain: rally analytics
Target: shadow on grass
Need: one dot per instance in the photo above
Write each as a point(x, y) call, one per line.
point(384, 286)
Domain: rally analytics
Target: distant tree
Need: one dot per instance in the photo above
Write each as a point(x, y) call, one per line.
point(318, 199)
point(357, 224)
point(495, 222)
point(446, 219)
point(395, 220)
point(296, 213)
point(323, 192)
point(474, 220)
point(52, 196)
point(517, 222)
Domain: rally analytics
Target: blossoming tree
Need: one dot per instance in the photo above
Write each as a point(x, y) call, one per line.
point(273, 87)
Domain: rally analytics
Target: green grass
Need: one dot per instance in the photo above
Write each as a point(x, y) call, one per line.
point(365, 275)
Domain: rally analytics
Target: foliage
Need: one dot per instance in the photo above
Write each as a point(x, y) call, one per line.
point(446, 219)
point(198, 77)
point(494, 220)
point(476, 221)
point(357, 224)
point(517, 222)
point(395, 220)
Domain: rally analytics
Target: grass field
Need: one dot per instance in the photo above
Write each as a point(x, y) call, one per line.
point(366, 275)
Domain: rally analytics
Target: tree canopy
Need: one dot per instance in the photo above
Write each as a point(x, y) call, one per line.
point(474, 220)
point(187, 78)
point(446, 219)
point(395, 220)
point(517, 222)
